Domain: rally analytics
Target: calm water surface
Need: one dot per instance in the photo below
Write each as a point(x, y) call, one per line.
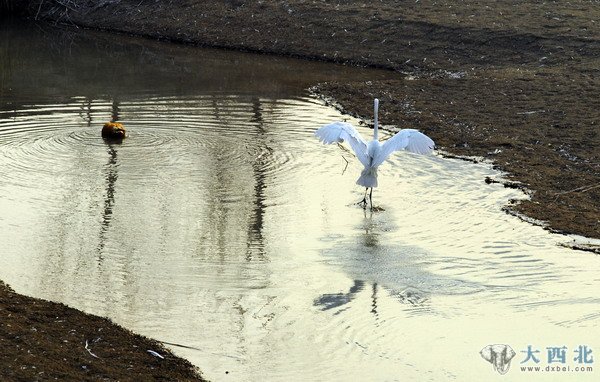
point(222, 225)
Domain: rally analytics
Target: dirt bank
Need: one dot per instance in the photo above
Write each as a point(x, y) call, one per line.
point(513, 82)
point(43, 341)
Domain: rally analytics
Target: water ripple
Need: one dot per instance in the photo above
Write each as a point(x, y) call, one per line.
point(227, 208)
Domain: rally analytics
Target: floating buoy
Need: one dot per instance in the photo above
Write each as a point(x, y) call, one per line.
point(113, 131)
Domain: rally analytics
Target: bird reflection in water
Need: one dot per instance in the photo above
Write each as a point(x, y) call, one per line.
point(370, 263)
point(335, 300)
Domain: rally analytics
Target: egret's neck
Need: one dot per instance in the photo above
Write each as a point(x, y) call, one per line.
point(376, 122)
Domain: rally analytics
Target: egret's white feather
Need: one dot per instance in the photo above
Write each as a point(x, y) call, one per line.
point(345, 132)
point(374, 153)
point(368, 177)
point(407, 139)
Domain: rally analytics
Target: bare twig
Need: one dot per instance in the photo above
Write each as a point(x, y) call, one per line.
point(349, 152)
point(345, 167)
point(38, 11)
point(155, 354)
point(578, 189)
point(87, 347)
point(66, 4)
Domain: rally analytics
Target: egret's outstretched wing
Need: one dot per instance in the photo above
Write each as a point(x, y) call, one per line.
point(408, 139)
point(343, 131)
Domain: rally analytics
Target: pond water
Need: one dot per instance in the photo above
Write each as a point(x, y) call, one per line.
point(222, 225)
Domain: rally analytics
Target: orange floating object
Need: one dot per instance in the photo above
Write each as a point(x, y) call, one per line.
point(113, 130)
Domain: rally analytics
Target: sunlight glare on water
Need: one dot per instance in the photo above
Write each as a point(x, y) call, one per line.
point(223, 225)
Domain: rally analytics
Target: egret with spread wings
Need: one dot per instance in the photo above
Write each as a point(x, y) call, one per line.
point(374, 153)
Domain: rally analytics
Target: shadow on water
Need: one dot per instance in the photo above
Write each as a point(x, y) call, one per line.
point(220, 208)
point(255, 229)
point(400, 269)
point(111, 180)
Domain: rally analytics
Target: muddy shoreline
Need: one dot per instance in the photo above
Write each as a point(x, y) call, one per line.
point(43, 340)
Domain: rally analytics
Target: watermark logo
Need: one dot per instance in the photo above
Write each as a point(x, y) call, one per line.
point(558, 359)
point(554, 359)
point(499, 356)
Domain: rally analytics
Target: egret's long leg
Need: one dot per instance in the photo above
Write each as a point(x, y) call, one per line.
point(364, 199)
point(371, 198)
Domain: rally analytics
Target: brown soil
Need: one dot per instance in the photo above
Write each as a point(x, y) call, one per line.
point(42, 340)
point(515, 82)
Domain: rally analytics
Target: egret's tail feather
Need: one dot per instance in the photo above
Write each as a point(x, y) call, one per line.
point(368, 177)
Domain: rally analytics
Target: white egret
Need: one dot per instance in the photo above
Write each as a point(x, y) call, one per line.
point(374, 153)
